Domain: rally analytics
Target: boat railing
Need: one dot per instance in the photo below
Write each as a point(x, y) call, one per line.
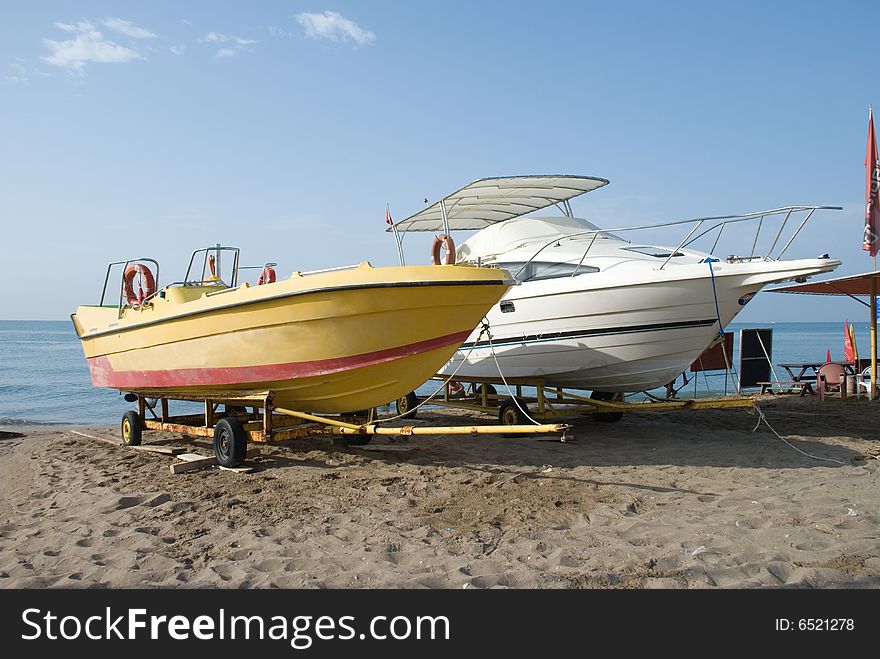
point(717, 223)
point(212, 263)
point(122, 301)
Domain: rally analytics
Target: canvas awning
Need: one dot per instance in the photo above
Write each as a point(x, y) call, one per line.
point(852, 286)
point(487, 201)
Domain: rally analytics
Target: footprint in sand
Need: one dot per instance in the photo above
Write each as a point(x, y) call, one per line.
point(753, 523)
point(146, 500)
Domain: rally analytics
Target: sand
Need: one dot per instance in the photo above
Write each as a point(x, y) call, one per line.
point(690, 499)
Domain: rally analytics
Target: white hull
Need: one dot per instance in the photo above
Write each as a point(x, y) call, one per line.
point(618, 334)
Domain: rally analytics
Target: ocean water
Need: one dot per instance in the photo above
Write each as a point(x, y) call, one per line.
point(44, 378)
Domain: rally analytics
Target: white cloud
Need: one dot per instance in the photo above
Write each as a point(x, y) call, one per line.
point(276, 31)
point(88, 45)
point(128, 28)
point(231, 44)
point(177, 50)
point(19, 72)
point(216, 37)
point(334, 27)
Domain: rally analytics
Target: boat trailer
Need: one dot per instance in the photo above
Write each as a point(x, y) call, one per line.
point(549, 402)
point(250, 416)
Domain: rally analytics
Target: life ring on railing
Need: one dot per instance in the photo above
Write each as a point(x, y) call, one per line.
point(267, 276)
point(446, 243)
point(146, 285)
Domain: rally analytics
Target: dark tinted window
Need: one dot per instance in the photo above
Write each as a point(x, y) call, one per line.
point(537, 270)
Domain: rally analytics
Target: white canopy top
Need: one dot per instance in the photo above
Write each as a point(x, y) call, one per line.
point(488, 201)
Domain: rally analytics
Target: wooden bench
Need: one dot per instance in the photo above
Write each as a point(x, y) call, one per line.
point(792, 385)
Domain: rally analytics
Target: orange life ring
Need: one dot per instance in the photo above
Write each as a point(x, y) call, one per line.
point(267, 276)
point(448, 244)
point(146, 285)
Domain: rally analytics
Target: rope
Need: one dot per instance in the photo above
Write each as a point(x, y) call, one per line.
point(762, 418)
point(484, 330)
point(767, 356)
point(498, 366)
point(721, 328)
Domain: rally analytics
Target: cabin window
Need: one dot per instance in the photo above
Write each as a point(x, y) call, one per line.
point(537, 270)
point(657, 252)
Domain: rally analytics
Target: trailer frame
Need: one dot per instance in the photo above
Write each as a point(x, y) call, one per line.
point(553, 402)
point(255, 418)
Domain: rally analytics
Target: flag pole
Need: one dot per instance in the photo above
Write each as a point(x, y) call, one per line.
point(874, 387)
point(874, 337)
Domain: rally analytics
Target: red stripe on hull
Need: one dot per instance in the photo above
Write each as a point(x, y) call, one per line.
point(104, 375)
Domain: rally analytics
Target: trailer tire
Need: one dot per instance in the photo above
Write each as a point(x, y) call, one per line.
point(132, 428)
point(509, 414)
point(353, 440)
point(607, 417)
point(359, 417)
point(490, 391)
point(406, 404)
point(234, 411)
point(230, 442)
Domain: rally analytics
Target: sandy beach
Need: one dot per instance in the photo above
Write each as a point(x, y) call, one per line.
point(690, 499)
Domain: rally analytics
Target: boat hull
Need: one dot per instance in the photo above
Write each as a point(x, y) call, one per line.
point(333, 344)
point(604, 336)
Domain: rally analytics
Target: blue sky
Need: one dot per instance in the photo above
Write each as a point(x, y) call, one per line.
point(152, 128)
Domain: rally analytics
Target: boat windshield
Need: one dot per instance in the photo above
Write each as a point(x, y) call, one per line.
point(656, 252)
point(537, 270)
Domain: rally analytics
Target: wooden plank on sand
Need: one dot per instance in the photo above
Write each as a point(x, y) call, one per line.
point(239, 470)
point(164, 450)
point(192, 463)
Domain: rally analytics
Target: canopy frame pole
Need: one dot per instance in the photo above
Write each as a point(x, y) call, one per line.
point(445, 216)
point(873, 338)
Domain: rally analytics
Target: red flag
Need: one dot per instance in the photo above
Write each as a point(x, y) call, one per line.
point(849, 354)
point(870, 242)
point(828, 356)
point(388, 220)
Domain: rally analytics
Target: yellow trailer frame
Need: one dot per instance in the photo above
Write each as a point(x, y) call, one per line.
point(551, 402)
point(258, 420)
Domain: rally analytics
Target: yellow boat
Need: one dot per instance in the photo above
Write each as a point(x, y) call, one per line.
point(330, 341)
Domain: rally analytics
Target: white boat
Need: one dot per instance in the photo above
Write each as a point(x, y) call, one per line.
point(596, 309)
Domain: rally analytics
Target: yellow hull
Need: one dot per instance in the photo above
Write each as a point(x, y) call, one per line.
point(331, 342)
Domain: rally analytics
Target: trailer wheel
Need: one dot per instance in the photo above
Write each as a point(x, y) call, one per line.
point(406, 404)
point(353, 440)
point(132, 428)
point(359, 417)
point(235, 410)
point(490, 391)
point(509, 414)
point(230, 442)
point(607, 417)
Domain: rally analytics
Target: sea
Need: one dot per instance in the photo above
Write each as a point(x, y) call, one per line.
point(44, 379)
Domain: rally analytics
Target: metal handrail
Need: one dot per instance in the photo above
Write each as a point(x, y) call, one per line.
point(722, 221)
point(215, 248)
point(122, 283)
point(125, 265)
